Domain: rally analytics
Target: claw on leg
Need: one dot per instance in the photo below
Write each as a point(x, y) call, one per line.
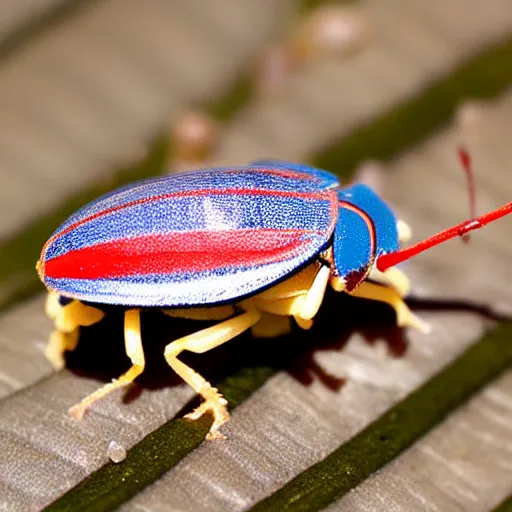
point(216, 404)
point(133, 348)
point(201, 342)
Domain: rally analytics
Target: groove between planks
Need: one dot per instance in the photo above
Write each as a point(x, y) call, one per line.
point(332, 98)
point(464, 464)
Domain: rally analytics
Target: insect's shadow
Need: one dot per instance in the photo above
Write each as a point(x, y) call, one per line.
point(100, 353)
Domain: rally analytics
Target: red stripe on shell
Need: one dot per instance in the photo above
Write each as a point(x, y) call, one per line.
point(179, 252)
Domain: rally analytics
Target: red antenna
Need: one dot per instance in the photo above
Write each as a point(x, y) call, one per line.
point(465, 160)
point(394, 258)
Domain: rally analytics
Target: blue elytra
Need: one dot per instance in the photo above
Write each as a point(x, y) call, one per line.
point(215, 236)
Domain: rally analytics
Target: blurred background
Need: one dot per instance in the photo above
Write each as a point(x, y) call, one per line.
point(98, 93)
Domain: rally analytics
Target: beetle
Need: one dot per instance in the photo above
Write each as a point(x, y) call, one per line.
point(250, 247)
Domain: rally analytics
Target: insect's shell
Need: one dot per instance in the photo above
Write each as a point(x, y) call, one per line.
point(193, 239)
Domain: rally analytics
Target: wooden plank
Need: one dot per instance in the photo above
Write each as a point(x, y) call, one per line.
point(46, 452)
point(21, 344)
point(299, 423)
point(465, 464)
point(18, 17)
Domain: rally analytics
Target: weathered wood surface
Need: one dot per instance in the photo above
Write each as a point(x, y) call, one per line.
point(465, 464)
point(22, 341)
point(16, 17)
point(304, 120)
point(289, 424)
point(318, 417)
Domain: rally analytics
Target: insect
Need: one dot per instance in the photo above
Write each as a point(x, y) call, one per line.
point(250, 247)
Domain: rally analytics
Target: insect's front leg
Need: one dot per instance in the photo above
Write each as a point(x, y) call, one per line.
point(392, 277)
point(68, 319)
point(404, 231)
point(404, 316)
point(300, 301)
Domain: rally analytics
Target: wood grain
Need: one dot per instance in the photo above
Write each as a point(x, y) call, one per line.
point(465, 464)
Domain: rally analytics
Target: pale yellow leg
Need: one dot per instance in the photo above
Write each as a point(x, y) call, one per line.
point(76, 314)
point(404, 316)
point(303, 302)
point(299, 284)
point(58, 343)
point(200, 342)
point(337, 283)
point(283, 307)
point(392, 277)
point(303, 323)
point(68, 320)
point(133, 347)
point(404, 231)
point(315, 295)
point(52, 306)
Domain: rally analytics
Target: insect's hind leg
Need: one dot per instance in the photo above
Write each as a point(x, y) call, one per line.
point(404, 316)
point(133, 348)
point(200, 342)
point(67, 319)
